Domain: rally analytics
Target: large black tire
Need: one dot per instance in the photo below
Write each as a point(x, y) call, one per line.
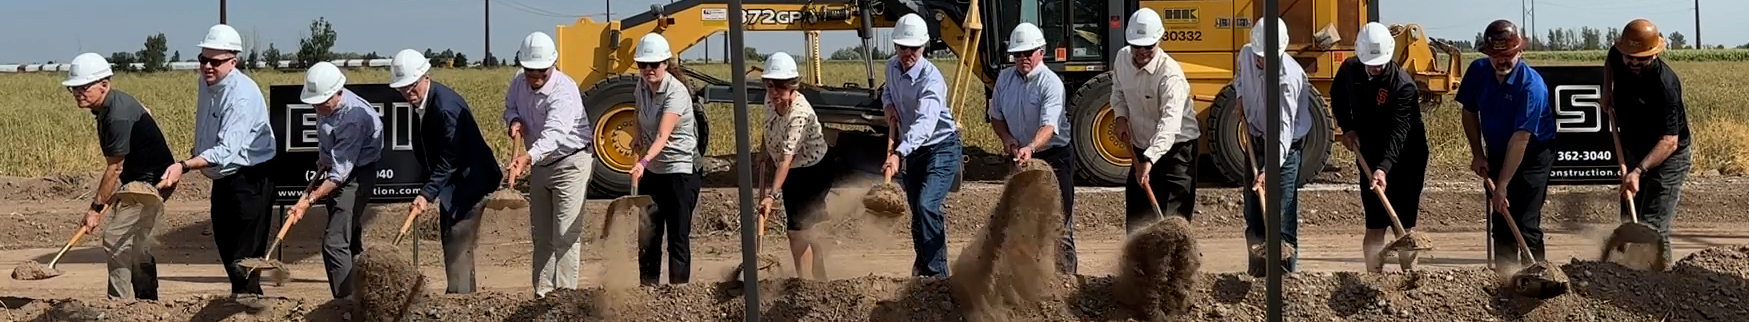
point(605, 181)
point(1093, 167)
point(1224, 132)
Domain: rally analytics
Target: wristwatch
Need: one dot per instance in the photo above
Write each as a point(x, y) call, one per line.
point(775, 195)
point(96, 206)
point(183, 164)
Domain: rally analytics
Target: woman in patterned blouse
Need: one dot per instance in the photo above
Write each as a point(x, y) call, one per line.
point(795, 145)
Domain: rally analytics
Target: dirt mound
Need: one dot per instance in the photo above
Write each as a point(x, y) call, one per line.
point(389, 284)
point(1709, 285)
point(886, 200)
point(1011, 263)
point(1157, 270)
point(31, 270)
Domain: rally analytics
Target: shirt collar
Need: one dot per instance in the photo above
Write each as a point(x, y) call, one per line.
point(914, 71)
point(425, 98)
point(1153, 65)
point(224, 83)
point(1516, 79)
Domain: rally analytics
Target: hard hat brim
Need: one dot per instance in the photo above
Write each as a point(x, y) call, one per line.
point(82, 81)
point(910, 42)
point(652, 59)
point(780, 76)
point(1379, 60)
point(1021, 48)
point(214, 46)
point(313, 98)
point(402, 83)
point(533, 64)
point(1654, 50)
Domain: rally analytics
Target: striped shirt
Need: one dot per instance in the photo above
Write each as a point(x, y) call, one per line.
point(554, 124)
point(350, 136)
point(230, 125)
point(1296, 114)
point(919, 95)
point(1030, 102)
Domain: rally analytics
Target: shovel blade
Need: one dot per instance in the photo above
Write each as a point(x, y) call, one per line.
point(1638, 233)
point(506, 199)
point(1540, 280)
point(626, 203)
point(32, 270)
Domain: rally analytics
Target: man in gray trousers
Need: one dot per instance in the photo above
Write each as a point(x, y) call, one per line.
point(349, 139)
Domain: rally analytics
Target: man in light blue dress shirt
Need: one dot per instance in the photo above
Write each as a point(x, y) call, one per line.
point(232, 141)
point(349, 138)
point(1296, 122)
point(1027, 115)
point(922, 133)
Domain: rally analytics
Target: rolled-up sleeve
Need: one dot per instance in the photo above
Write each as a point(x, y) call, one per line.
point(1176, 94)
point(236, 130)
point(511, 98)
point(930, 106)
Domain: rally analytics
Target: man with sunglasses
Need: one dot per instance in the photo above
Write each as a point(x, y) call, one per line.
point(1511, 128)
point(545, 112)
point(134, 150)
point(232, 143)
point(1155, 114)
point(1031, 96)
point(463, 168)
point(1645, 96)
point(1295, 108)
point(922, 133)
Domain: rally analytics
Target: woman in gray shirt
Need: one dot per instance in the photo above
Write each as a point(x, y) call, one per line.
point(668, 141)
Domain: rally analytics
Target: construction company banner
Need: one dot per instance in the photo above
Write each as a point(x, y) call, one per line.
point(399, 173)
point(1584, 148)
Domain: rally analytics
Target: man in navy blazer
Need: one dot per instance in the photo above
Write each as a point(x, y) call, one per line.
point(463, 170)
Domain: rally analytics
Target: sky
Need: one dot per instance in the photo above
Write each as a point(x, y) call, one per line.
point(42, 30)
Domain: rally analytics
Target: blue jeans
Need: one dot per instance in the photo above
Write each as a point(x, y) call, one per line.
point(928, 174)
point(1290, 210)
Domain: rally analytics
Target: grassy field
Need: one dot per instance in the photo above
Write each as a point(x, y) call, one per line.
point(47, 134)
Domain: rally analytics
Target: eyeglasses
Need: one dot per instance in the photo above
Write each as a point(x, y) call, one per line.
point(532, 71)
point(643, 65)
point(778, 84)
point(206, 61)
point(1142, 48)
point(1640, 60)
point(908, 48)
point(1024, 54)
point(81, 89)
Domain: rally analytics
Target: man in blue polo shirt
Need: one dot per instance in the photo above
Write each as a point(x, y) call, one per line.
point(1511, 129)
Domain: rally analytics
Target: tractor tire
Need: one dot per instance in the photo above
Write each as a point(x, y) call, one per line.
point(1225, 130)
point(615, 99)
point(1101, 159)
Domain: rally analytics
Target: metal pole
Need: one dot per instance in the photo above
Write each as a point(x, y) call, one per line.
point(1272, 152)
point(222, 9)
point(866, 31)
point(490, 61)
point(1697, 25)
point(744, 164)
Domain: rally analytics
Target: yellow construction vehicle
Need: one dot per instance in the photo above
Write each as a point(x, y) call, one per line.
point(1082, 35)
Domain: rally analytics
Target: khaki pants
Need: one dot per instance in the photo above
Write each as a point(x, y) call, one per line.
point(127, 238)
point(556, 193)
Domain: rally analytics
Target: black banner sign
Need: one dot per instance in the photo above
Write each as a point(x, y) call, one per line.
point(1584, 149)
point(399, 173)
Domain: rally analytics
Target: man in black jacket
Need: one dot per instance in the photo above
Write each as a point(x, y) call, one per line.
point(1378, 107)
point(463, 170)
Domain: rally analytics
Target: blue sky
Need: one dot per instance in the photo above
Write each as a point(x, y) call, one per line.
point(41, 30)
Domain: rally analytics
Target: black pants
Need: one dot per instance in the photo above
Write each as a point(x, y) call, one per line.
point(343, 239)
point(804, 195)
point(242, 207)
point(1403, 185)
point(1173, 178)
point(675, 195)
point(1525, 195)
point(1062, 161)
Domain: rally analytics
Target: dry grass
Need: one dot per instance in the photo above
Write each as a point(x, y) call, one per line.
point(48, 135)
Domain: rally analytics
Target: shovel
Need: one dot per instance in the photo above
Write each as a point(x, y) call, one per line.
point(32, 270)
point(1632, 231)
point(1258, 251)
point(1538, 279)
point(281, 273)
point(628, 205)
point(507, 197)
point(1409, 243)
point(765, 262)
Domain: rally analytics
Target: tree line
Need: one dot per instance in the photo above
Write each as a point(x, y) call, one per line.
point(1583, 38)
point(314, 46)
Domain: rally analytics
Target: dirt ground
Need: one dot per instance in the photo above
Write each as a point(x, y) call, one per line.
point(869, 257)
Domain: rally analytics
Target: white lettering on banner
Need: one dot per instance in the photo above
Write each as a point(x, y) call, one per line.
point(1584, 173)
point(1584, 155)
point(1577, 109)
point(382, 174)
point(301, 119)
point(771, 17)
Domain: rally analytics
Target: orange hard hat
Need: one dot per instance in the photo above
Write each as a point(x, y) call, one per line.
point(1640, 38)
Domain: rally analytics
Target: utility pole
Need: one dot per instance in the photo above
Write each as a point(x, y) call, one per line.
point(1697, 25)
point(489, 61)
point(222, 10)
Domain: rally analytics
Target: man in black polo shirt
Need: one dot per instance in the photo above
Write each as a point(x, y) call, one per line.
point(134, 150)
point(1646, 96)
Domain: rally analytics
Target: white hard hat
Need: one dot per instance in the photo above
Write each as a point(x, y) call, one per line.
point(652, 48)
point(1025, 37)
point(222, 37)
point(1144, 28)
point(911, 31)
point(1258, 39)
point(538, 51)
point(407, 67)
point(321, 82)
point(780, 66)
point(1374, 46)
point(87, 68)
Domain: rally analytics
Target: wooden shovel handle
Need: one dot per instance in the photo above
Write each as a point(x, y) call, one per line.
point(75, 240)
point(277, 238)
point(1620, 159)
point(1510, 224)
point(405, 225)
point(1365, 172)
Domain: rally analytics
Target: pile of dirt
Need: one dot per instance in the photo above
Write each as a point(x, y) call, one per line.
point(388, 284)
point(618, 243)
point(31, 270)
point(1157, 269)
point(1012, 262)
point(886, 200)
point(1709, 285)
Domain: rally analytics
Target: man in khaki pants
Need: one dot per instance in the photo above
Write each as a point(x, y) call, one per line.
point(545, 111)
point(134, 150)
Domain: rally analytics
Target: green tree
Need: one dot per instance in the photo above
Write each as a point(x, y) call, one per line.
point(177, 57)
point(253, 58)
point(1591, 38)
point(1609, 38)
point(153, 55)
point(272, 57)
point(751, 54)
point(460, 61)
point(855, 53)
point(123, 61)
point(317, 46)
point(1678, 41)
